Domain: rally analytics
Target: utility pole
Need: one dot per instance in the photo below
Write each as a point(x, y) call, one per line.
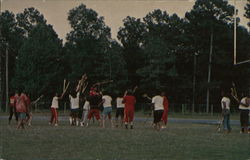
point(235, 25)
point(1, 42)
point(194, 80)
point(7, 78)
point(209, 69)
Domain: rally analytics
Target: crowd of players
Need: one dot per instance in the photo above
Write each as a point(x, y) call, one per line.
point(97, 105)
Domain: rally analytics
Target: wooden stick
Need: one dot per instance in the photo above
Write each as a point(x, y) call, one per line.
point(135, 88)
point(65, 90)
point(103, 82)
point(34, 102)
point(64, 83)
point(84, 87)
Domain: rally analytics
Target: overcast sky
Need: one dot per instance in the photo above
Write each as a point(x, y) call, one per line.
point(113, 11)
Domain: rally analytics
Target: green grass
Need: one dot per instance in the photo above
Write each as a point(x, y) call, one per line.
point(177, 142)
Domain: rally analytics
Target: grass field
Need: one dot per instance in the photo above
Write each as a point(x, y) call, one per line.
point(178, 142)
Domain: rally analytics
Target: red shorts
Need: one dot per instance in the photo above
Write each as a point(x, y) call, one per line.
point(128, 115)
point(94, 112)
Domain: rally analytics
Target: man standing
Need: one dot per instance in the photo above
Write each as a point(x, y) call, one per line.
point(165, 113)
point(157, 101)
point(53, 108)
point(74, 98)
point(13, 108)
point(21, 108)
point(28, 113)
point(119, 109)
point(95, 100)
point(107, 109)
point(244, 107)
point(225, 105)
point(129, 101)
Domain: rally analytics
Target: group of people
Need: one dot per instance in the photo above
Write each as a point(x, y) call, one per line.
point(98, 105)
point(244, 107)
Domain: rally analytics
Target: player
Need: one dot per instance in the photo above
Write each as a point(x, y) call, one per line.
point(13, 108)
point(54, 106)
point(74, 106)
point(21, 109)
point(29, 113)
point(165, 113)
point(129, 101)
point(85, 113)
point(157, 101)
point(119, 110)
point(95, 100)
point(244, 107)
point(225, 105)
point(107, 109)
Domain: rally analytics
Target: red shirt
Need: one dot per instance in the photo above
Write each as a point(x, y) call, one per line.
point(21, 103)
point(12, 101)
point(165, 103)
point(129, 102)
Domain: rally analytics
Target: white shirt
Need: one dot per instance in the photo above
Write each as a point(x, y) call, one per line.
point(119, 103)
point(107, 101)
point(227, 101)
point(86, 106)
point(158, 103)
point(74, 101)
point(244, 101)
point(55, 102)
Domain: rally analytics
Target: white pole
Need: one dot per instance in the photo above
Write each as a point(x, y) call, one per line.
point(209, 69)
point(1, 6)
point(235, 62)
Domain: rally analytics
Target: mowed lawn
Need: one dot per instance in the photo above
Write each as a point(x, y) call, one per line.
point(178, 142)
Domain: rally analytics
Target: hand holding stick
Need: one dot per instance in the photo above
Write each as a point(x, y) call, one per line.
point(146, 96)
point(234, 92)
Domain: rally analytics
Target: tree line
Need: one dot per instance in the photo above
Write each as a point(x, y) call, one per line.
point(157, 52)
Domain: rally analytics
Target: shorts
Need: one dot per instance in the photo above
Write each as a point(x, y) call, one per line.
point(244, 117)
point(21, 115)
point(94, 112)
point(107, 110)
point(157, 115)
point(74, 112)
point(119, 112)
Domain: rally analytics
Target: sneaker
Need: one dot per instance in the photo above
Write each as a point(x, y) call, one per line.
point(82, 124)
point(131, 127)
point(126, 126)
point(56, 124)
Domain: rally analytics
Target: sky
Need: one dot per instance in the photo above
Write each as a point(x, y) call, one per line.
point(113, 11)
